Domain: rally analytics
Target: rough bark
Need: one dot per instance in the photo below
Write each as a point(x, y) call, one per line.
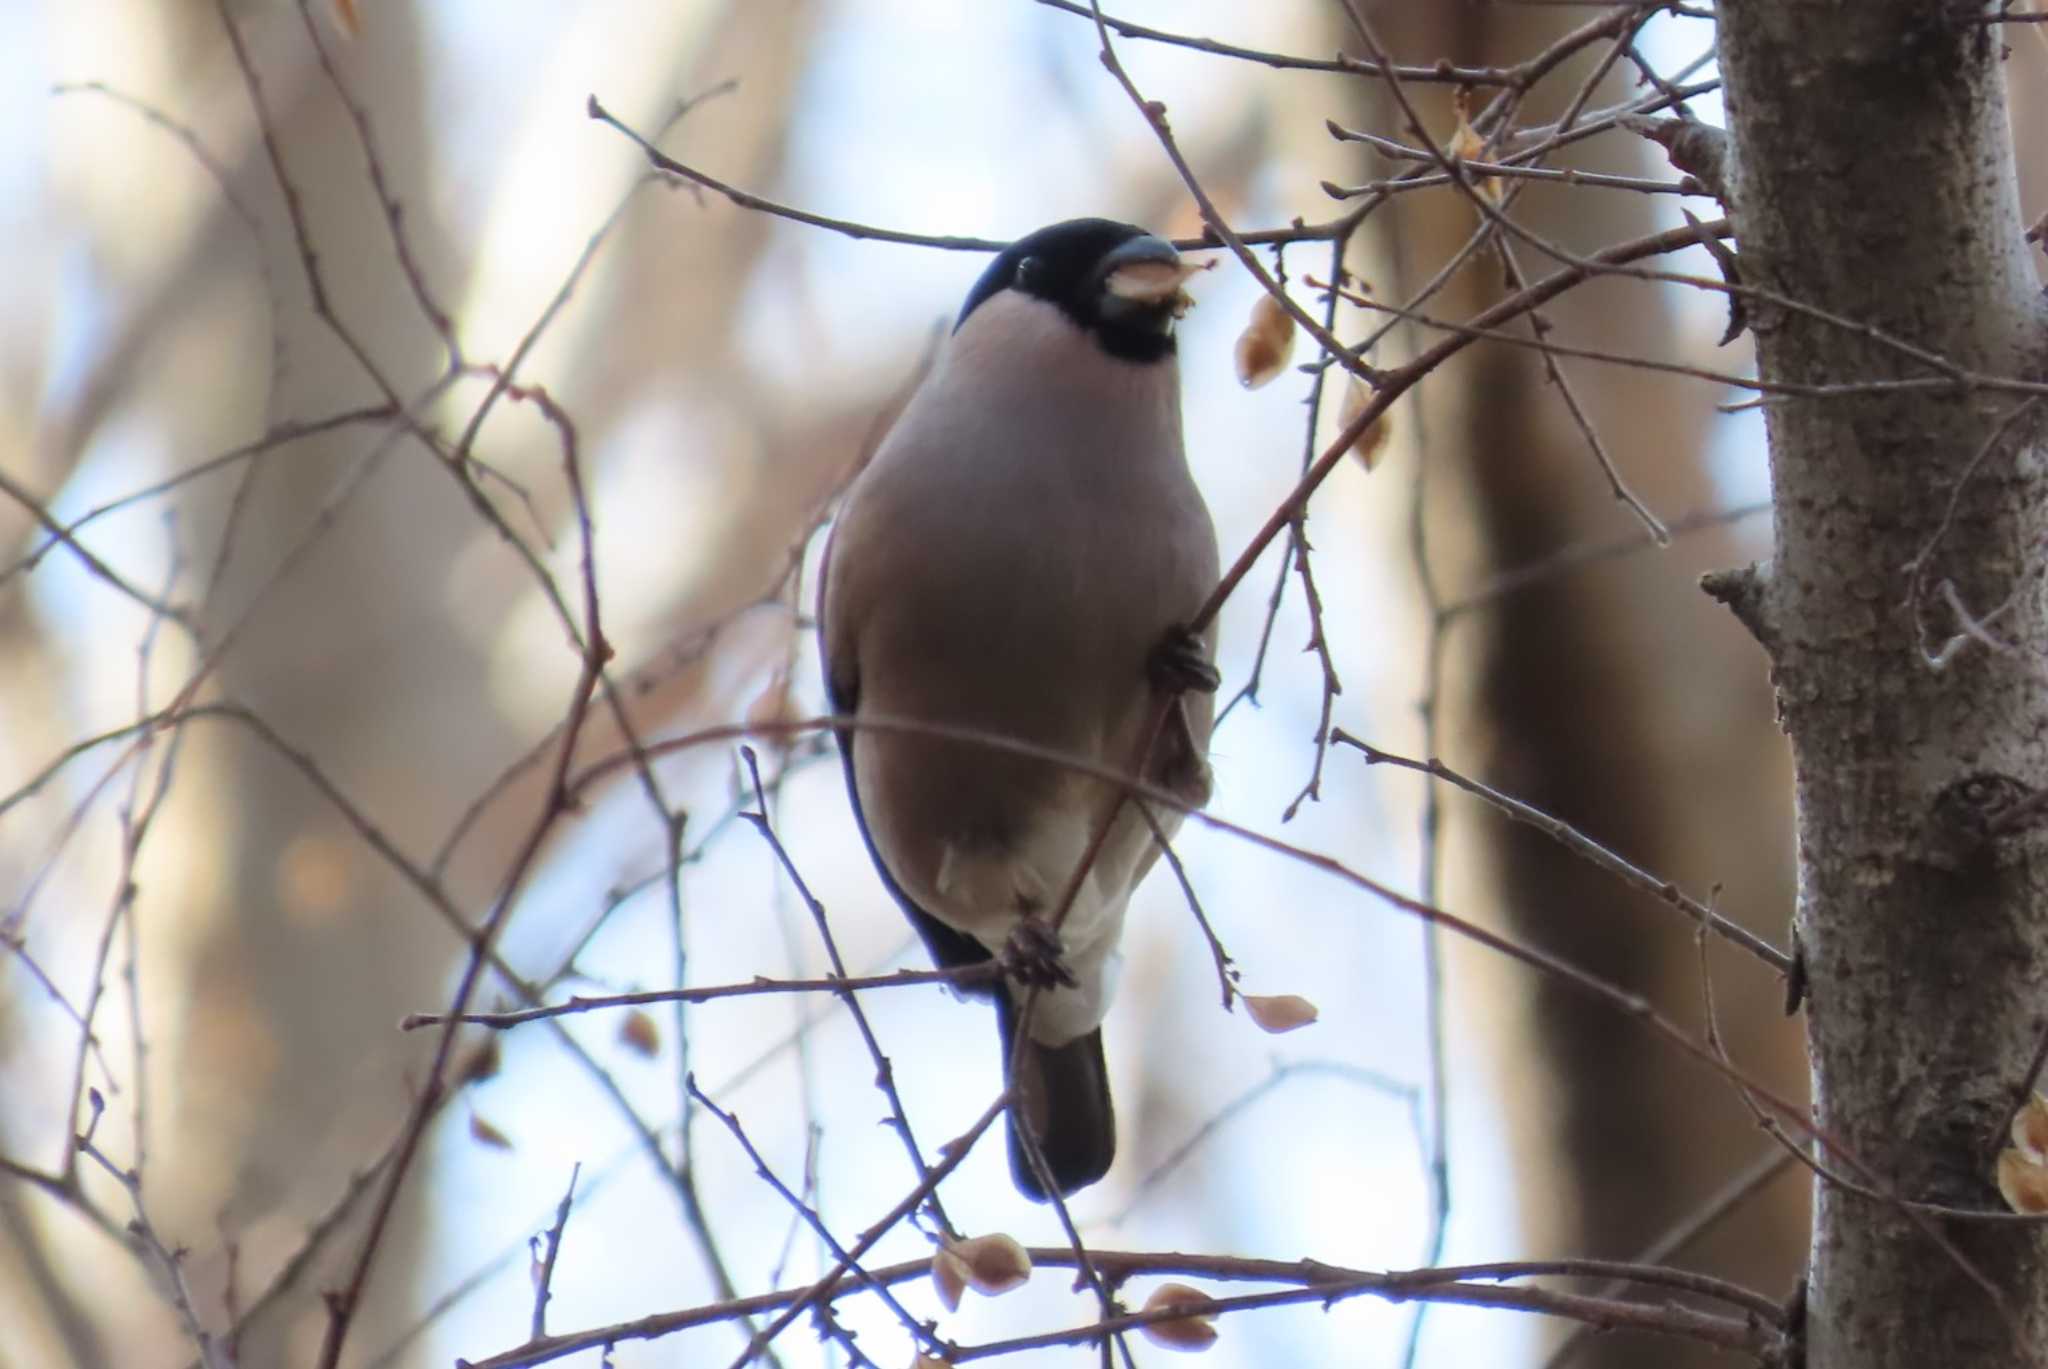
point(1874, 179)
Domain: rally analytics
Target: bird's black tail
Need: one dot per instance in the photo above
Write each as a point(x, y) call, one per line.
point(1063, 1096)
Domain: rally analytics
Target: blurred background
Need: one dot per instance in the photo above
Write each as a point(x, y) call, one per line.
point(246, 905)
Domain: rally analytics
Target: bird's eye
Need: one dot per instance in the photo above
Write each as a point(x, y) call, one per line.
point(1029, 270)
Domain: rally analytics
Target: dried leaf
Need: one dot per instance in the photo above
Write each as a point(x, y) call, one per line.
point(637, 1033)
point(1266, 343)
point(1277, 1013)
point(483, 1133)
point(2030, 1129)
point(1467, 146)
point(994, 1264)
point(1370, 442)
point(1193, 1330)
point(482, 1063)
point(949, 1277)
point(2022, 1183)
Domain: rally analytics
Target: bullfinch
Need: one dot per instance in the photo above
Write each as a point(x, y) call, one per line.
point(1020, 559)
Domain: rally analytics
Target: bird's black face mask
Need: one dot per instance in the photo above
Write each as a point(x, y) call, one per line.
point(1118, 282)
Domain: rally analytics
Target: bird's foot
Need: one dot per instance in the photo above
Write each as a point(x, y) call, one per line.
point(1180, 662)
point(1032, 955)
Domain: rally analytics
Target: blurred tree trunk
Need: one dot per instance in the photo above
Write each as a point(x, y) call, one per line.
point(300, 1077)
point(1609, 696)
point(295, 1076)
point(1874, 179)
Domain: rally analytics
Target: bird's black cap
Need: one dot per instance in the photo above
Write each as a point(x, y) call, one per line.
point(1067, 265)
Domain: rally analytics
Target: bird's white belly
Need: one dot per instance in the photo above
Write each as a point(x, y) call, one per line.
point(986, 892)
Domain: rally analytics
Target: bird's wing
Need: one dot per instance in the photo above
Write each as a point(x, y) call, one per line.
point(836, 640)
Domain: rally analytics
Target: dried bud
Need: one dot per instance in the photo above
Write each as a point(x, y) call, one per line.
point(1369, 443)
point(483, 1063)
point(1467, 146)
point(637, 1033)
point(483, 1133)
point(1193, 1329)
point(949, 1277)
point(1265, 344)
point(1280, 1012)
point(2030, 1128)
point(2023, 1183)
point(993, 1264)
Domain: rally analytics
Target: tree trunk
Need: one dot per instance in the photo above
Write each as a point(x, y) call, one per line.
point(1874, 180)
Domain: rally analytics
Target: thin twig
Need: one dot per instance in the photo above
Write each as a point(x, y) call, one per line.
point(885, 1070)
point(342, 1305)
point(1723, 1203)
point(810, 1218)
point(544, 1275)
point(950, 1157)
point(833, 984)
point(170, 1263)
point(1305, 1281)
point(1226, 968)
point(1282, 1073)
point(1341, 64)
point(1579, 844)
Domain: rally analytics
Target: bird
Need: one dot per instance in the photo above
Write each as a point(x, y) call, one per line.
point(1023, 557)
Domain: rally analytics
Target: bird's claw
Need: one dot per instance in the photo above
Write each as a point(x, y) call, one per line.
point(1180, 662)
point(1032, 956)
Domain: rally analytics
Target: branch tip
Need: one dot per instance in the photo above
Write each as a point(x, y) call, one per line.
point(1700, 150)
point(1746, 592)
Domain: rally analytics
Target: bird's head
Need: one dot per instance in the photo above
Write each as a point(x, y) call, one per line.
point(1116, 282)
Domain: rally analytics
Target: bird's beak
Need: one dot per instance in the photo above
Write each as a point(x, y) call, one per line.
point(1147, 272)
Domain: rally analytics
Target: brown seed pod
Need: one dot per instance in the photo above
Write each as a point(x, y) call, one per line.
point(1194, 1329)
point(1266, 344)
point(1277, 1013)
